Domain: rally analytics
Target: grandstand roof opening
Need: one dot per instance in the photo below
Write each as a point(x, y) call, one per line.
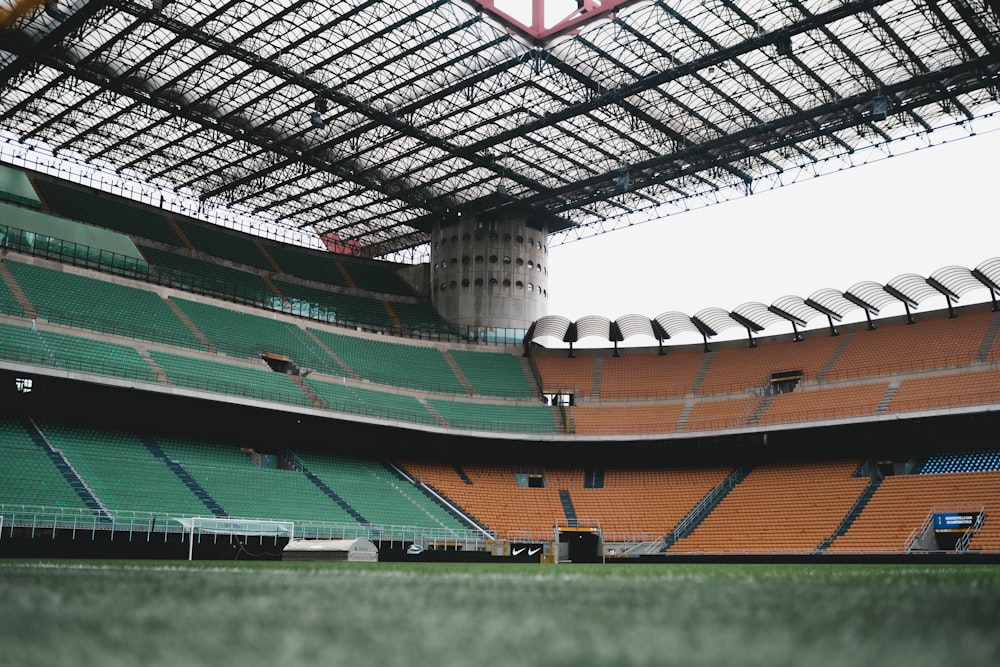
point(370, 122)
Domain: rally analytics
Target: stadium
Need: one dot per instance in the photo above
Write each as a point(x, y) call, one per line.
point(280, 384)
point(280, 274)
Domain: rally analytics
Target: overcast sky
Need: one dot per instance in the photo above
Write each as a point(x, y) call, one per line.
point(913, 213)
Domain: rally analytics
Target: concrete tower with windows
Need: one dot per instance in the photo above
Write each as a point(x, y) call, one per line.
point(490, 272)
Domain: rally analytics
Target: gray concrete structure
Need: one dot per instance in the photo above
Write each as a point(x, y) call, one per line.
point(490, 273)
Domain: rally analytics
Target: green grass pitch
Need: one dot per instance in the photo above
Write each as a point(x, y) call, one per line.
point(73, 613)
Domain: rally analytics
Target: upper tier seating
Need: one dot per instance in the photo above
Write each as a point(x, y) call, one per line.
point(493, 373)
point(207, 277)
point(336, 307)
point(98, 305)
point(78, 203)
point(341, 270)
point(562, 374)
point(718, 414)
point(75, 353)
point(419, 319)
point(642, 374)
point(980, 387)
point(496, 417)
point(316, 265)
point(817, 403)
point(371, 403)
point(393, 363)
point(372, 276)
point(935, 341)
point(223, 243)
point(625, 419)
point(248, 335)
point(9, 305)
point(232, 379)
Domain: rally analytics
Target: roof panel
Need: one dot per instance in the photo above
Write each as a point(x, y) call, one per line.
point(662, 107)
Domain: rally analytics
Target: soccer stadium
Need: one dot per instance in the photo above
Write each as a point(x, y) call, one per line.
point(274, 287)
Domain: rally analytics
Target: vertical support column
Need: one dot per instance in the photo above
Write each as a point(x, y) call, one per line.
point(489, 273)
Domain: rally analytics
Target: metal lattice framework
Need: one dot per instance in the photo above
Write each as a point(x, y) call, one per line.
point(374, 120)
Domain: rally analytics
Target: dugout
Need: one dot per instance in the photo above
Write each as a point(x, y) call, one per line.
point(357, 550)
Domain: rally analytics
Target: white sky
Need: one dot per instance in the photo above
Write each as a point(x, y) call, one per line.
point(913, 213)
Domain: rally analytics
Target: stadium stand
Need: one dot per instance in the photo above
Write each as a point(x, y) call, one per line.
point(392, 363)
point(818, 403)
point(560, 374)
point(327, 306)
point(934, 341)
point(258, 383)
point(377, 277)
point(961, 462)
point(122, 472)
point(117, 369)
point(365, 402)
point(902, 505)
point(626, 419)
point(223, 244)
point(377, 493)
point(497, 418)
point(493, 374)
point(321, 267)
point(252, 298)
point(203, 276)
point(631, 505)
point(974, 387)
point(29, 478)
point(778, 508)
point(247, 335)
point(77, 203)
point(638, 374)
point(87, 302)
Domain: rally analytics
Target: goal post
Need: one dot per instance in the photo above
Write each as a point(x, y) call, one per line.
point(199, 525)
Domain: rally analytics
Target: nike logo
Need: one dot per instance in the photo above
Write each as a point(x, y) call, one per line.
point(517, 552)
point(532, 552)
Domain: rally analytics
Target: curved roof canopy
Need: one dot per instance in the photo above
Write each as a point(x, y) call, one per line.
point(909, 289)
point(371, 121)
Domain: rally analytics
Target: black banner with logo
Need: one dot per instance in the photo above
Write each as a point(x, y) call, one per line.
point(527, 552)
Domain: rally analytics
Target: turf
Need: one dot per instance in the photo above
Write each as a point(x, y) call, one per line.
point(276, 614)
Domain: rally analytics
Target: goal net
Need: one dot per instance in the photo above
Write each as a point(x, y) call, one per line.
point(197, 526)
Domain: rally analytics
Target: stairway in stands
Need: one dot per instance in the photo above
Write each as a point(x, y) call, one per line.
point(886, 400)
point(76, 481)
point(567, 504)
point(852, 514)
point(182, 474)
point(699, 377)
point(297, 464)
point(596, 380)
point(845, 339)
point(705, 506)
point(760, 408)
point(991, 334)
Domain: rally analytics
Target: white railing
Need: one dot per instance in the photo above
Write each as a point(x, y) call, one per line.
point(41, 518)
point(919, 532)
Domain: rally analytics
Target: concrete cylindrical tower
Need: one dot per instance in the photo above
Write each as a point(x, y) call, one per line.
point(490, 272)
